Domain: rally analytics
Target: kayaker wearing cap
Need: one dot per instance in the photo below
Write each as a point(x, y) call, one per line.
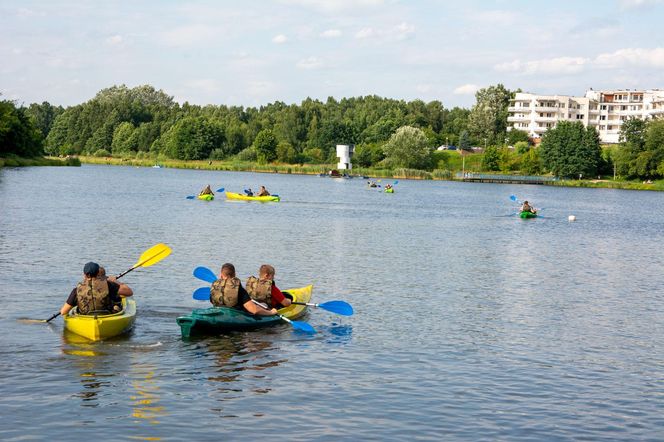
point(263, 289)
point(227, 291)
point(206, 191)
point(263, 192)
point(527, 208)
point(94, 293)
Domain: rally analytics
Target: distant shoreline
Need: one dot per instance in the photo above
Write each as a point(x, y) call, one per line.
point(316, 169)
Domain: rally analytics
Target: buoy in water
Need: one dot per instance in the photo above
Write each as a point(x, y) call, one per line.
point(571, 218)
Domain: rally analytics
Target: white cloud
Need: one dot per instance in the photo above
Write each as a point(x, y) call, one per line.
point(632, 57)
point(336, 6)
point(310, 63)
point(636, 4)
point(466, 89)
point(560, 65)
point(114, 40)
point(403, 31)
point(189, 35)
point(365, 33)
point(497, 17)
point(279, 39)
point(331, 33)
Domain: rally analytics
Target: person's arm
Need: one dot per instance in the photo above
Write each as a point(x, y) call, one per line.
point(123, 289)
point(256, 309)
point(65, 309)
point(69, 304)
point(278, 297)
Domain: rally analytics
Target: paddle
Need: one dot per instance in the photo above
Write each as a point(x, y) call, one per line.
point(205, 274)
point(150, 257)
point(221, 189)
point(338, 307)
point(299, 325)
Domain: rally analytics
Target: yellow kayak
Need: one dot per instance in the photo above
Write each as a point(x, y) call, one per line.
point(98, 327)
point(239, 196)
point(206, 197)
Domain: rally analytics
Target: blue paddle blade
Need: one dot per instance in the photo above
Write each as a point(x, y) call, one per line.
point(202, 294)
point(205, 274)
point(513, 197)
point(274, 194)
point(338, 307)
point(191, 197)
point(220, 189)
point(396, 182)
point(303, 326)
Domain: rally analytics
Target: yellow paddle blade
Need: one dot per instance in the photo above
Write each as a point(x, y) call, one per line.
point(153, 255)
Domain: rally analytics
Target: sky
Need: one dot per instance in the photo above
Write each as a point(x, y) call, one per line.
point(255, 52)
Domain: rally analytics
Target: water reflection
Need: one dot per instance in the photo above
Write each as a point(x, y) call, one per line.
point(339, 333)
point(146, 401)
point(88, 361)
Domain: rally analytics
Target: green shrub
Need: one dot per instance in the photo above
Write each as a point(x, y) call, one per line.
point(101, 153)
point(248, 154)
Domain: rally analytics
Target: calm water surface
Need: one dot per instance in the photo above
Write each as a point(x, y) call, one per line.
point(470, 323)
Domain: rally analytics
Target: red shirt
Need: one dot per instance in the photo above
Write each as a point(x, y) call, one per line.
point(277, 296)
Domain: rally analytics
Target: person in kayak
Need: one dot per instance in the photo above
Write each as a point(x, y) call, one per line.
point(263, 192)
point(206, 191)
point(527, 208)
point(227, 291)
point(94, 293)
point(264, 290)
point(388, 186)
point(248, 192)
point(372, 184)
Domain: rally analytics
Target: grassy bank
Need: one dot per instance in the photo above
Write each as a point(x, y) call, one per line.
point(14, 161)
point(315, 169)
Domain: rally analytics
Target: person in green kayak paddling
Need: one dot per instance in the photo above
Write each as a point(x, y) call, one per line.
point(227, 291)
point(94, 293)
point(264, 290)
point(528, 208)
point(206, 191)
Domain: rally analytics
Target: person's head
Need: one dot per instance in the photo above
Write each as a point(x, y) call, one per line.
point(262, 187)
point(266, 272)
point(91, 269)
point(102, 273)
point(227, 271)
point(525, 203)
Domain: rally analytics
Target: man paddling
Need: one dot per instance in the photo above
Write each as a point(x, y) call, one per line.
point(95, 294)
point(227, 291)
point(527, 208)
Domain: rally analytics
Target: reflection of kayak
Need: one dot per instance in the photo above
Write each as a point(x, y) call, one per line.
point(389, 190)
point(219, 319)
point(527, 214)
point(206, 197)
point(239, 196)
point(97, 327)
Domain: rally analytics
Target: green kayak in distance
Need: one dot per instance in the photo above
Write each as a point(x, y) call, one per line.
point(527, 214)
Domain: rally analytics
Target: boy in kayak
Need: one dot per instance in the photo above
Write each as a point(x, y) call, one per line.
point(94, 293)
point(206, 191)
point(264, 290)
point(527, 208)
point(228, 291)
point(263, 192)
point(248, 192)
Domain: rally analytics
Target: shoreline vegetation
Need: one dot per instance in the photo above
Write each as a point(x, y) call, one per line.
point(316, 169)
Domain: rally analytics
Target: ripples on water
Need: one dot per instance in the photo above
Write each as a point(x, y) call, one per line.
point(470, 323)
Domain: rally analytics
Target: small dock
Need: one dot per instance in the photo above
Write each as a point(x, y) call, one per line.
point(505, 179)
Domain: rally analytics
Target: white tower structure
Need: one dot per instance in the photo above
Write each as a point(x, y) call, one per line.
point(345, 152)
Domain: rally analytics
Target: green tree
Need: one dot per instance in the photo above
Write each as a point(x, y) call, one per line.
point(193, 138)
point(491, 159)
point(570, 150)
point(515, 136)
point(408, 148)
point(43, 115)
point(266, 146)
point(488, 117)
point(121, 137)
point(286, 153)
point(464, 141)
point(18, 134)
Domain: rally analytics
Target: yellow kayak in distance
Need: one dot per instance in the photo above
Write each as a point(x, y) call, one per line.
point(99, 327)
point(239, 196)
point(206, 197)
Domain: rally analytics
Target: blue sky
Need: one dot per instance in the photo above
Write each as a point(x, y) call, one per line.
point(255, 52)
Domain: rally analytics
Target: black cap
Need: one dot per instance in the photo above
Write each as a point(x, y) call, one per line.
point(91, 269)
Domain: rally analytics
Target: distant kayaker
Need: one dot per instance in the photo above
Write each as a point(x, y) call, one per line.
point(263, 192)
point(372, 184)
point(94, 293)
point(263, 289)
point(388, 186)
point(228, 291)
point(206, 191)
point(249, 192)
point(527, 208)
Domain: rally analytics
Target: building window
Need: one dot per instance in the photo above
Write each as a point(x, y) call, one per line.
point(603, 107)
point(579, 117)
point(609, 127)
point(624, 108)
point(602, 117)
point(610, 108)
point(602, 127)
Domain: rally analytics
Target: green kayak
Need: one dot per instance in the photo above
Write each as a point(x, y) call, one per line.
point(527, 214)
point(215, 320)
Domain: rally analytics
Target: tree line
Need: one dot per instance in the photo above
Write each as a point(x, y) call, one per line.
point(145, 123)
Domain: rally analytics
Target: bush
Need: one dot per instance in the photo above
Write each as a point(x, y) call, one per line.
point(248, 154)
point(101, 153)
point(217, 154)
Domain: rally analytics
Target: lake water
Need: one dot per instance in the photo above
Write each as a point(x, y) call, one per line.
point(470, 323)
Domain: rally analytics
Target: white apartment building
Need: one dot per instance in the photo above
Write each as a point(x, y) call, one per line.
point(604, 110)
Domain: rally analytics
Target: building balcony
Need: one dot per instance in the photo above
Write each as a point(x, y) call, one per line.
point(517, 119)
point(547, 119)
point(658, 111)
point(547, 109)
point(519, 109)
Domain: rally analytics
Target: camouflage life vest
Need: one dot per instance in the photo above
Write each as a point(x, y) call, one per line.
point(92, 295)
point(260, 290)
point(224, 292)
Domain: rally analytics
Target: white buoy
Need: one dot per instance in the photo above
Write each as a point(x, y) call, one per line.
point(571, 218)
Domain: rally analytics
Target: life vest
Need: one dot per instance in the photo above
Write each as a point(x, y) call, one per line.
point(260, 290)
point(93, 295)
point(224, 292)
